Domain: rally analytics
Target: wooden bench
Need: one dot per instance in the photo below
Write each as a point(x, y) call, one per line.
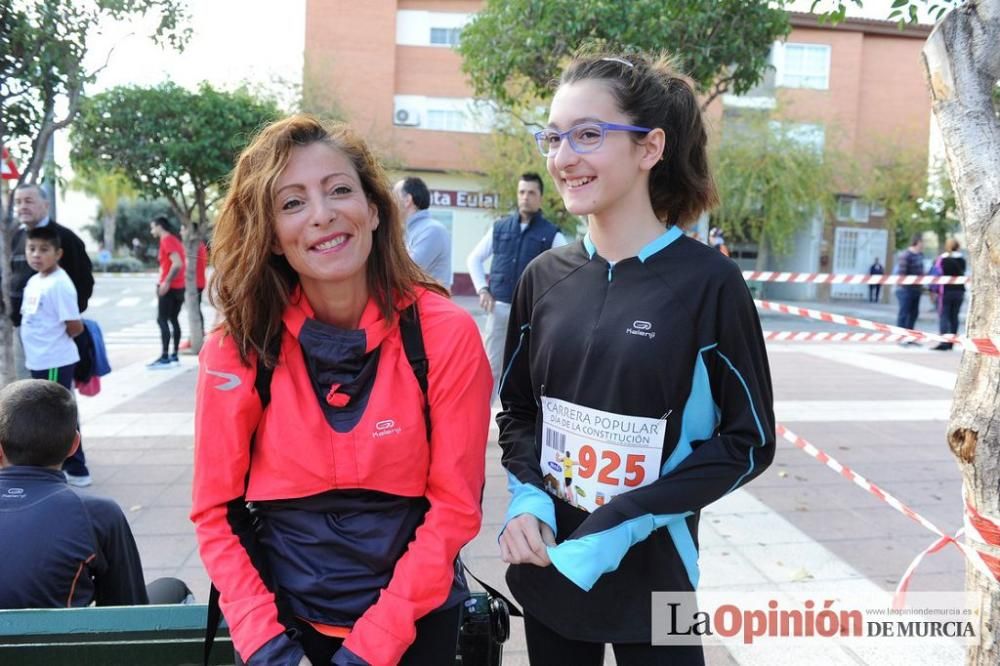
point(109, 636)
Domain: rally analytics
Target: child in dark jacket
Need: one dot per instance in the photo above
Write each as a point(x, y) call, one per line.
point(60, 548)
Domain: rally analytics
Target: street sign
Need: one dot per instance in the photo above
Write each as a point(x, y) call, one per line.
point(8, 170)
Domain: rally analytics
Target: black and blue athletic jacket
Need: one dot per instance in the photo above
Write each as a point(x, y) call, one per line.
point(697, 357)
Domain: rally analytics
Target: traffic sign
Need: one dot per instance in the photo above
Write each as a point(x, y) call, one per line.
point(8, 170)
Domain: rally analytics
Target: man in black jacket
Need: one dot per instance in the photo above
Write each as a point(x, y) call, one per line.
point(31, 206)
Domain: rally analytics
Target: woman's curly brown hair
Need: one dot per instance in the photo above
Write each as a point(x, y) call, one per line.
point(252, 285)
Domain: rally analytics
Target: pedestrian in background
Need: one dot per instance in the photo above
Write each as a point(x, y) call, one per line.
point(512, 242)
point(31, 206)
point(169, 291)
point(909, 262)
point(427, 240)
point(50, 319)
point(639, 326)
point(718, 240)
point(875, 290)
point(950, 296)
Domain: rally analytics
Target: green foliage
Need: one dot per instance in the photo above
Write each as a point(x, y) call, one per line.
point(899, 181)
point(107, 187)
point(513, 49)
point(169, 142)
point(770, 183)
point(43, 44)
point(905, 12)
point(132, 221)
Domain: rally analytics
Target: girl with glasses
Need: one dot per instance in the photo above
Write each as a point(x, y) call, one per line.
point(638, 350)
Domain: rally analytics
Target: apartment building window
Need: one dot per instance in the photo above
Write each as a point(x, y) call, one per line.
point(448, 114)
point(447, 119)
point(445, 36)
point(853, 209)
point(808, 135)
point(803, 66)
point(424, 28)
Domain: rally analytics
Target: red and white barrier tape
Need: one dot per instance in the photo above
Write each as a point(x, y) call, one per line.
point(808, 336)
point(975, 526)
point(987, 346)
point(851, 278)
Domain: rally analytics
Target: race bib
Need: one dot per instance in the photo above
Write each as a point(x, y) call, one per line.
point(30, 304)
point(590, 456)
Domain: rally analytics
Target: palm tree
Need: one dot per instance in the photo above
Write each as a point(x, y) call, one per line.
point(109, 188)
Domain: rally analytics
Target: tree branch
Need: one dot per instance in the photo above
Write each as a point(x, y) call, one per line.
point(720, 88)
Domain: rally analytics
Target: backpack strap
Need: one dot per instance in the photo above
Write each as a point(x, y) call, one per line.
point(262, 380)
point(413, 345)
point(262, 384)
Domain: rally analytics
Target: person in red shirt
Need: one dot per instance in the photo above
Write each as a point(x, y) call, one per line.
point(169, 289)
point(366, 470)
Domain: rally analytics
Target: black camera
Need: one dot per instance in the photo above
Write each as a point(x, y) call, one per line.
point(485, 627)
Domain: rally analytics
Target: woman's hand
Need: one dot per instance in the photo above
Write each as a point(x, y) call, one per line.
point(524, 540)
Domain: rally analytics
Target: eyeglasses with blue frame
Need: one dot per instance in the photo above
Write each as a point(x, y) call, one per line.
point(583, 138)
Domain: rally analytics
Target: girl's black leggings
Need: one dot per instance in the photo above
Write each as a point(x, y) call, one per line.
point(168, 310)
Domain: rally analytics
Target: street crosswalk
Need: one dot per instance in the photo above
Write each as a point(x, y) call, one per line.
point(126, 302)
point(147, 333)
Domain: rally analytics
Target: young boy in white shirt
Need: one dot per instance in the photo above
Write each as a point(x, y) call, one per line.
point(50, 319)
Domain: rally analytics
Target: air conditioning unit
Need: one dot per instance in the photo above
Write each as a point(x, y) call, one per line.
point(406, 115)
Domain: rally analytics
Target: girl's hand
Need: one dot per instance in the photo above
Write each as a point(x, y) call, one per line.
point(524, 541)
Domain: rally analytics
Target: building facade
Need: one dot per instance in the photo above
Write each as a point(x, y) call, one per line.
point(859, 88)
point(390, 70)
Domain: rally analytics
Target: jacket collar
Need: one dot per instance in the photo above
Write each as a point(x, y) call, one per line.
point(372, 324)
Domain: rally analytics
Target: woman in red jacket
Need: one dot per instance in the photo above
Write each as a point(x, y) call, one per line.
point(363, 486)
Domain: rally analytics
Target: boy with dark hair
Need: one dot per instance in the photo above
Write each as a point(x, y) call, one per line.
point(50, 319)
point(59, 549)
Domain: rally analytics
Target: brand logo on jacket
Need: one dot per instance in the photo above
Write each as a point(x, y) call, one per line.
point(386, 427)
point(14, 493)
point(232, 381)
point(641, 328)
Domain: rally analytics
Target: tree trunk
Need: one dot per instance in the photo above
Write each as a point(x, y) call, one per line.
point(7, 370)
point(108, 223)
point(192, 239)
point(191, 244)
point(963, 67)
point(760, 264)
